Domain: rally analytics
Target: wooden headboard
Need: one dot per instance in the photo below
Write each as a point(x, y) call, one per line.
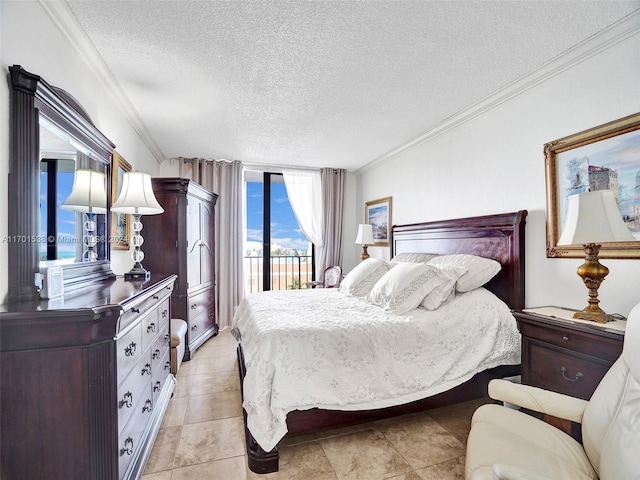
point(500, 237)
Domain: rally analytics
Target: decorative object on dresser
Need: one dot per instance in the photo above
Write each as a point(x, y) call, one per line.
point(86, 381)
point(137, 199)
point(364, 238)
point(88, 196)
point(184, 237)
point(593, 218)
point(566, 355)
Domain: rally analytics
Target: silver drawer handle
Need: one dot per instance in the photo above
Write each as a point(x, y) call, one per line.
point(148, 407)
point(130, 350)
point(128, 447)
point(563, 370)
point(565, 338)
point(127, 400)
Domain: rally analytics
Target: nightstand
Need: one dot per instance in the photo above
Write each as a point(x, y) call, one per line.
point(566, 355)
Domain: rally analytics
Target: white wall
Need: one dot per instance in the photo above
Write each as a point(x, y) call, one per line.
point(494, 163)
point(29, 37)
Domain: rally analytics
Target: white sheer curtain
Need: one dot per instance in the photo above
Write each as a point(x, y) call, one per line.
point(304, 189)
point(333, 185)
point(224, 178)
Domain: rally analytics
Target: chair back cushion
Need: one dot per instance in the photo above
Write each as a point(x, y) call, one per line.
point(332, 276)
point(611, 422)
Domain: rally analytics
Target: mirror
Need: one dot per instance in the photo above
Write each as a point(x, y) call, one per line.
point(62, 228)
point(52, 138)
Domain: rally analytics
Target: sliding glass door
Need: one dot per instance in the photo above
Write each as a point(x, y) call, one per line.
point(278, 257)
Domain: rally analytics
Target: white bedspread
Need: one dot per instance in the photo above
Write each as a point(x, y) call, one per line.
point(321, 348)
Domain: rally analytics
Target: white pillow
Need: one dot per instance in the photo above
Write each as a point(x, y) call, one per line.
point(444, 291)
point(479, 269)
point(413, 257)
point(359, 281)
point(403, 287)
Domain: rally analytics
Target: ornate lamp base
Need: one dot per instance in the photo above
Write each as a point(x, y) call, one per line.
point(592, 273)
point(365, 254)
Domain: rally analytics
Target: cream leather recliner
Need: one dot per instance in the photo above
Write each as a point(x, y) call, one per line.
point(505, 443)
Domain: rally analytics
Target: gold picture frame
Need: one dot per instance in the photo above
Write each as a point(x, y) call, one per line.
point(603, 157)
point(120, 222)
point(378, 214)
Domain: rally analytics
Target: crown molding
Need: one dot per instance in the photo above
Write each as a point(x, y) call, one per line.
point(66, 21)
point(607, 38)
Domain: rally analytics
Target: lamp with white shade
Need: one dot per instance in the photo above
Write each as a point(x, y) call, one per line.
point(88, 196)
point(364, 238)
point(137, 199)
point(593, 218)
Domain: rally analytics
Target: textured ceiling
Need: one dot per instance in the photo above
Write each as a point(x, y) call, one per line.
point(322, 83)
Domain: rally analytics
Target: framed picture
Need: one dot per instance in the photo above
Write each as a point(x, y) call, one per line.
point(601, 158)
point(378, 214)
point(120, 222)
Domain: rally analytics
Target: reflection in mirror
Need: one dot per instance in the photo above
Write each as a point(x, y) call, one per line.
point(64, 237)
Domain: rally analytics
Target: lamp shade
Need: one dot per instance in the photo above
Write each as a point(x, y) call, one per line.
point(136, 196)
point(365, 234)
point(594, 217)
point(88, 193)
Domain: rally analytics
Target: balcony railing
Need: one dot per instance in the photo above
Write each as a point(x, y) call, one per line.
point(287, 272)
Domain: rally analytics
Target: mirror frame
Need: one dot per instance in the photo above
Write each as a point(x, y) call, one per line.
point(32, 97)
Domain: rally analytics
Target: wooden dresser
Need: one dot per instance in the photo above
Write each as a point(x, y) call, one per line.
point(564, 355)
point(182, 240)
point(85, 381)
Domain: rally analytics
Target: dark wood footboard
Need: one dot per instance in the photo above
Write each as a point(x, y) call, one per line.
point(316, 419)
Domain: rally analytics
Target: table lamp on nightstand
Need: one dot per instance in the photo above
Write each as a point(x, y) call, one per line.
point(364, 238)
point(593, 218)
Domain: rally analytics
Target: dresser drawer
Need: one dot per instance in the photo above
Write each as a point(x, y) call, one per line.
point(563, 371)
point(164, 313)
point(200, 324)
point(200, 302)
point(131, 389)
point(129, 350)
point(593, 343)
point(130, 438)
point(160, 376)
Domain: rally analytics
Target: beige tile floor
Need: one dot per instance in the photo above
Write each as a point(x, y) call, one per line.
point(202, 436)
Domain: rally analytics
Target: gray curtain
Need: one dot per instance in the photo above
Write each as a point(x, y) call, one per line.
point(333, 184)
point(225, 179)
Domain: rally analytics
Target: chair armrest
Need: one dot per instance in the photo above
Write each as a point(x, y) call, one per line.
point(509, 472)
point(538, 399)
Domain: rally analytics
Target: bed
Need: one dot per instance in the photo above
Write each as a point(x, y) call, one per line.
point(326, 342)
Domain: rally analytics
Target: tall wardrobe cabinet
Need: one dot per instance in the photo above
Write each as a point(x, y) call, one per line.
point(182, 241)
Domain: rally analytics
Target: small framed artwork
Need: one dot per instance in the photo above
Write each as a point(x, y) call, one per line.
point(606, 157)
point(120, 222)
point(378, 214)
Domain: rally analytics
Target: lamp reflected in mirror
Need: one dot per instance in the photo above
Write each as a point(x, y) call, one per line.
point(137, 198)
point(593, 218)
point(89, 197)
